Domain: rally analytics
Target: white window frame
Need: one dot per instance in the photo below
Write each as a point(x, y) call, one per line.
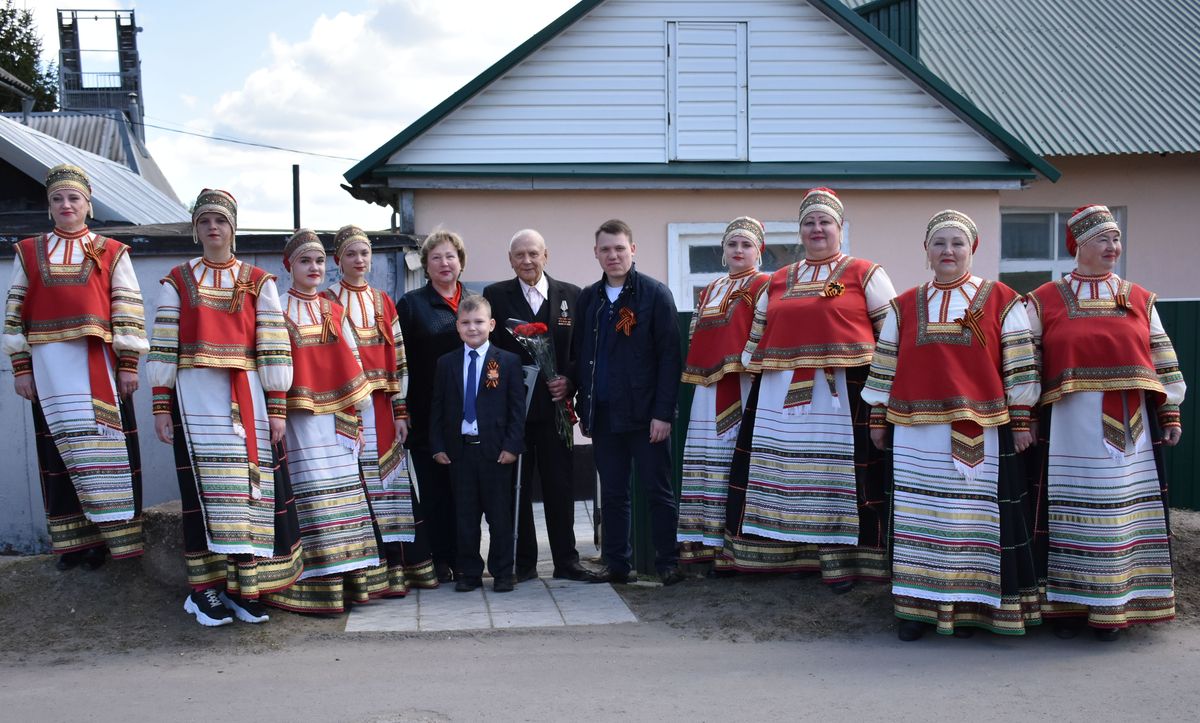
point(1058, 267)
point(682, 237)
point(743, 83)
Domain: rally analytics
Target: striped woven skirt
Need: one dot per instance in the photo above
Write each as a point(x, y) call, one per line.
point(341, 552)
point(234, 521)
point(707, 458)
point(391, 501)
point(409, 563)
point(962, 549)
point(277, 561)
point(747, 553)
point(91, 479)
point(802, 486)
point(815, 480)
point(1108, 555)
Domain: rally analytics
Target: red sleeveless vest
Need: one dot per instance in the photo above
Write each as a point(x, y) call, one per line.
point(218, 332)
point(1095, 345)
point(818, 323)
point(61, 307)
point(326, 378)
point(943, 373)
point(720, 334)
point(377, 351)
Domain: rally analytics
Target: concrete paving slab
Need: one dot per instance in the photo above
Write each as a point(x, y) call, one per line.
point(527, 620)
point(541, 602)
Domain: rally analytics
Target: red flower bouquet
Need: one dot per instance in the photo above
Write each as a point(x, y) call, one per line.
point(536, 340)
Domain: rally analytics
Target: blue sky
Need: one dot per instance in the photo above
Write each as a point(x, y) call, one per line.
point(334, 78)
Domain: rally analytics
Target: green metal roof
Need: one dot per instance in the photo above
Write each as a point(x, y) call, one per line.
point(1073, 77)
point(848, 19)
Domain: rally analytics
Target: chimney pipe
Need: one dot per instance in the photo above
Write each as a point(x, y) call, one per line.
point(26, 109)
point(135, 118)
point(296, 195)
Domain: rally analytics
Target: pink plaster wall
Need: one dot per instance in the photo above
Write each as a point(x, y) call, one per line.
point(1161, 195)
point(887, 227)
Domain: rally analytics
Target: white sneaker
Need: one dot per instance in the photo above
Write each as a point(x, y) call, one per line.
point(206, 605)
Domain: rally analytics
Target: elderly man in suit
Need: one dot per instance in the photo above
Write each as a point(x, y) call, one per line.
point(536, 297)
point(628, 364)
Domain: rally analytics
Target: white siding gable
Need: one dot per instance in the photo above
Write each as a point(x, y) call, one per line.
point(601, 91)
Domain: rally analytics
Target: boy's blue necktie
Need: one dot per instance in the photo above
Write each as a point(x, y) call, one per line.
point(471, 388)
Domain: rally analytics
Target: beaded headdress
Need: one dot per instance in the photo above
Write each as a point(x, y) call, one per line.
point(953, 219)
point(824, 200)
point(1088, 222)
point(303, 240)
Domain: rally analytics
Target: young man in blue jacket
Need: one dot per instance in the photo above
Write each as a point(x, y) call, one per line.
point(628, 364)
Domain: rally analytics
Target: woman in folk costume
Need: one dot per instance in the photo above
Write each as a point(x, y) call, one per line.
point(341, 554)
point(372, 317)
point(954, 371)
point(74, 327)
point(813, 478)
point(221, 365)
point(720, 327)
point(1111, 390)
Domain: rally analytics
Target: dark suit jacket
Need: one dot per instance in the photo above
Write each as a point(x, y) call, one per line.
point(558, 313)
point(500, 411)
point(643, 368)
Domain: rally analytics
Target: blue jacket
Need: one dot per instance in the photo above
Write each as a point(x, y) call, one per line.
point(642, 368)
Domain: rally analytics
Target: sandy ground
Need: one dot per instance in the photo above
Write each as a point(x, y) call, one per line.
point(136, 607)
point(114, 645)
point(759, 608)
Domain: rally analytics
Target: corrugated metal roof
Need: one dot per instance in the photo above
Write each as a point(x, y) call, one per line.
point(105, 133)
point(1073, 77)
point(98, 132)
point(14, 81)
point(118, 194)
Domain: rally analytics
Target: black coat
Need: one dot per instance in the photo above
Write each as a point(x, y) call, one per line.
point(500, 410)
point(558, 313)
point(643, 368)
point(428, 325)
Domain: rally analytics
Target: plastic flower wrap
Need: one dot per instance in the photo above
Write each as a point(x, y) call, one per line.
point(536, 339)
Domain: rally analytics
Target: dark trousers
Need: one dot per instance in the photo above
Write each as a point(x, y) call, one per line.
point(617, 453)
point(482, 486)
point(436, 505)
point(546, 452)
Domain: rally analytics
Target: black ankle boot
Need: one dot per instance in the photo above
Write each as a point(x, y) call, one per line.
point(910, 630)
point(1107, 635)
point(93, 558)
point(68, 561)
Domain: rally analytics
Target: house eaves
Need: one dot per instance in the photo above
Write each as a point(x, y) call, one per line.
point(833, 9)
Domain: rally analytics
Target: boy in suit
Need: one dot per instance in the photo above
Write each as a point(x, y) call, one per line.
point(477, 427)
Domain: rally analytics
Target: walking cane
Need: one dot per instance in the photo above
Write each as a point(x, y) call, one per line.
point(531, 375)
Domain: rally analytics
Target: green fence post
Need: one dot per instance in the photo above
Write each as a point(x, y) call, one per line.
point(643, 547)
point(1181, 320)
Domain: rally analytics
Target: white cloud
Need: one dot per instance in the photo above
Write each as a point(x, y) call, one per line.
point(352, 84)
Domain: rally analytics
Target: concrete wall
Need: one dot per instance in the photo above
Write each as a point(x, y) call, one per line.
point(22, 520)
point(887, 227)
point(1162, 241)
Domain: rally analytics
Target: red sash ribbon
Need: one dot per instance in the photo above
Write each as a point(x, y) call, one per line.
point(104, 402)
point(243, 414)
point(1121, 412)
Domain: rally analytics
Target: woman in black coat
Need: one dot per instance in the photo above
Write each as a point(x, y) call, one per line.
point(427, 320)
